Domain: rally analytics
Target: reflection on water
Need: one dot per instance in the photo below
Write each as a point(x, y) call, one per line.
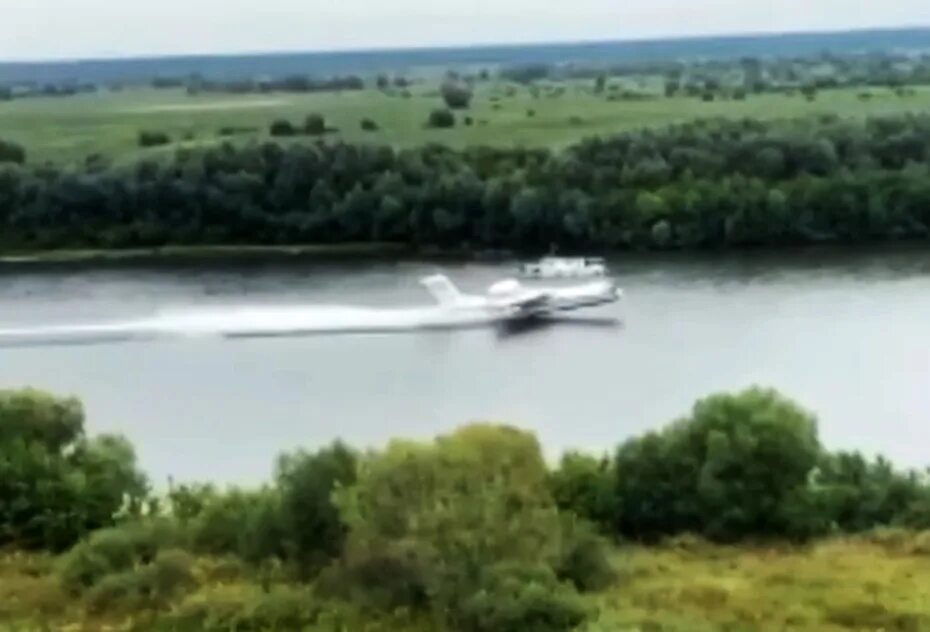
point(844, 333)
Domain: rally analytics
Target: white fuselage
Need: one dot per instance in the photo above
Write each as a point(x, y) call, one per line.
point(509, 299)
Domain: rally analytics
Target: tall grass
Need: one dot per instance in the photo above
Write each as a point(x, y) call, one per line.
point(878, 581)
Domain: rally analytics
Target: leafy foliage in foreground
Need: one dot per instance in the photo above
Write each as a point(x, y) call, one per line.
point(465, 528)
point(470, 532)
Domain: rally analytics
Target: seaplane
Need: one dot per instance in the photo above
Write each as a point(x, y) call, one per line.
point(509, 300)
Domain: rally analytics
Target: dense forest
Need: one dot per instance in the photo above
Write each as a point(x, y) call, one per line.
point(471, 532)
point(708, 184)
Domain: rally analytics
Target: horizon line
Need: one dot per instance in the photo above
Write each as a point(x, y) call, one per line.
point(749, 34)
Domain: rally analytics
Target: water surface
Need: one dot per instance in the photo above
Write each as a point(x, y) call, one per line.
point(846, 335)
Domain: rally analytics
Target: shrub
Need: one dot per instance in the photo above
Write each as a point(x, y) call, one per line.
point(436, 516)
point(148, 138)
point(117, 590)
point(515, 599)
point(586, 486)
point(150, 586)
point(115, 550)
point(312, 530)
point(234, 130)
point(584, 561)
point(314, 125)
point(56, 485)
point(369, 125)
point(730, 470)
point(282, 127)
point(387, 577)
point(858, 494)
point(11, 152)
point(469, 121)
point(441, 119)
point(457, 96)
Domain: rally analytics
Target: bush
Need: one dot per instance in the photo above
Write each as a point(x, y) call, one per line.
point(56, 485)
point(234, 130)
point(282, 127)
point(857, 494)
point(441, 119)
point(219, 526)
point(729, 471)
point(387, 577)
point(311, 527)
point(516, 599)
point(457, 96)
point(586, 486)
point(151, 586)
point(369, 125)
point(437, 514)
point(115, 550)
point(585, 559)
point(148, 138)
point(221, 609)
point(315, 125)
point(11, 152)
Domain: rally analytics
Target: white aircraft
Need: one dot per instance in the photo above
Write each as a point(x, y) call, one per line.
point(510, 300)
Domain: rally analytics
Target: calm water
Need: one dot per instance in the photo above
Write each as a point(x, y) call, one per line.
point(845, 335)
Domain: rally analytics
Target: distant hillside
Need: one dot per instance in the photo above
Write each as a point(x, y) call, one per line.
point(364, 62)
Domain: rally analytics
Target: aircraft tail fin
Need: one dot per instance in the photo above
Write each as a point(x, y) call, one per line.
point(442, 289)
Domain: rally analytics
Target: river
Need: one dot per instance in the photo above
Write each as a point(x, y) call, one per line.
point(845, 334)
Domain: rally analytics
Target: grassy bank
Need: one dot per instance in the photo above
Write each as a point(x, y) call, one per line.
point(879, 581)
point(70, 129)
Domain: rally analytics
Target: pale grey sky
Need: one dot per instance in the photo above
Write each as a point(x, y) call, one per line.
point(43, 29)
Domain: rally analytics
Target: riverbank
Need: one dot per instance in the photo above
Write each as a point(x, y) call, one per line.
point(199, 253)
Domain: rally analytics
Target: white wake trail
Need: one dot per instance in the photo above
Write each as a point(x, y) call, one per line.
point(252, 321)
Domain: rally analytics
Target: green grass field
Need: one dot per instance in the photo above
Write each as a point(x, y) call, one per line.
point(65, 130)
point(875, 582)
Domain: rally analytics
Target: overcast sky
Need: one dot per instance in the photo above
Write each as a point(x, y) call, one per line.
point(43, 29)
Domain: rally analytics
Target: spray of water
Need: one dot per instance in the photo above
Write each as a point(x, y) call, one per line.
point(253, 321)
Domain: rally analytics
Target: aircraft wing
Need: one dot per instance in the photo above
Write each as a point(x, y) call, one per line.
point(524, 304)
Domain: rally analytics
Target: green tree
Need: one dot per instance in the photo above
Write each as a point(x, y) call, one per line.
point(441, 517)
point(441, 119)
point(314, 125)
point(281, 127)
point(312, 529)
point(457, 96)
point(730, 470)
point(11, 152)
point(586, 486)
point(56, 484)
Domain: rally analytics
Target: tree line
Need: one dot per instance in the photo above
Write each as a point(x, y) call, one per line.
point(707, 184)
point(472, 531)
point(747, 75)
